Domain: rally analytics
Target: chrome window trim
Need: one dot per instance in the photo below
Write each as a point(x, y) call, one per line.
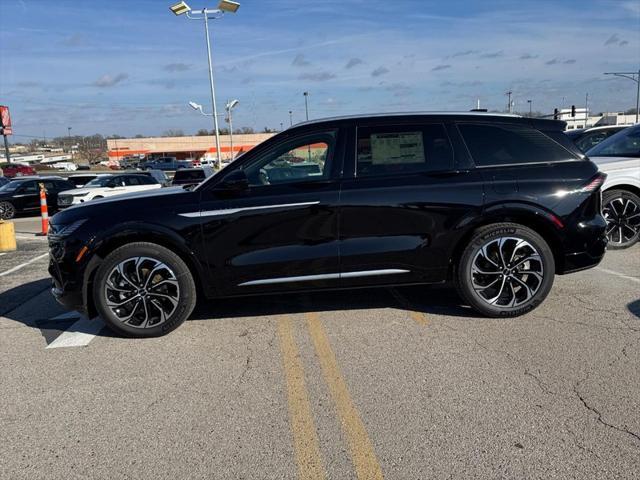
point(231, 211)
point(325, 276)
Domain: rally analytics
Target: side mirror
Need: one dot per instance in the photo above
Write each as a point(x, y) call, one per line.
point(235, 181)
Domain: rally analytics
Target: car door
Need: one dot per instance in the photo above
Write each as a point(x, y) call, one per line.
point(27, 197)
point(116, 186)
point(280, 233)
point(405, 191)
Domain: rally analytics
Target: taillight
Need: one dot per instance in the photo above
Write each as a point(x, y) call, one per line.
point(594, 184)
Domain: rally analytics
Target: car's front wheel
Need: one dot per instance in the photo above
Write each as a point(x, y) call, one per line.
point(506, 270)
point(7, 211)
point(621, 210)
point(144, 290)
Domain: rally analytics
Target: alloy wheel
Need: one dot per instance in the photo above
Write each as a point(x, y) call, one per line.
point(623, 220)
point(7, 211)
point(507, 272)
point(142, 292)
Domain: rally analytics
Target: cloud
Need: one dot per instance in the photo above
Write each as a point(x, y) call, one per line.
point(28, 84)
point(74, 40)
point(177, 67)
point(168, 84)
point(353, 62)
point(612, 39)
point(553, 61)
point(528, 56)
point(109, 81)
point(300, 61)
point(399, 89)
point(465, 53)
point(623, 43)
point(440, 67)
point(317, 77)
point(380, 71)
point(569, 62)
point(492, 54)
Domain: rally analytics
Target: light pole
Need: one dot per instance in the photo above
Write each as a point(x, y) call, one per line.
point(70, 145)
point(290, 118)
point(230, 106)
point(635, 76)
point(509, 105)
point(306, 104)
point(530, 108)
point(204, 14)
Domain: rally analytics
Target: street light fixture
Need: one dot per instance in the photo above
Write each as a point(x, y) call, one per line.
point(230, 106)
point(635, 76)
point(206, 15)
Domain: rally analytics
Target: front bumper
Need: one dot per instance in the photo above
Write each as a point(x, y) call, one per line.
point(68, 275)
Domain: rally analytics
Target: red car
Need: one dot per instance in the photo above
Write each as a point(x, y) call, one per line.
point(12, 170)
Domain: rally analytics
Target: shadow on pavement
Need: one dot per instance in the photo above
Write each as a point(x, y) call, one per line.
point(634, 307)
point(430, 300)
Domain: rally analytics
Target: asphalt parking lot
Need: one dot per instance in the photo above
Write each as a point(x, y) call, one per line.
point(396, 383)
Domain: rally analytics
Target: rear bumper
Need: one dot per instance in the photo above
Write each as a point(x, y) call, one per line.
point(593, 239)
point(574, 262)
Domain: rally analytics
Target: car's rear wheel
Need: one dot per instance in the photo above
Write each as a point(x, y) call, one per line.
point(7, 211)
point(621, 210)
point(144, 290)
point(506, 270)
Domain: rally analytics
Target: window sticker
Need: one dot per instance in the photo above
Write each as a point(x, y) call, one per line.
point(394, 148)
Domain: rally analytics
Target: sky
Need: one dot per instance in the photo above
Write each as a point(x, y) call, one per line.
point(131, 67)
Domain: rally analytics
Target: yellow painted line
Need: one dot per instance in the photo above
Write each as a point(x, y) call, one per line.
point(362, 453)
point(305, 438)
point(419, 317)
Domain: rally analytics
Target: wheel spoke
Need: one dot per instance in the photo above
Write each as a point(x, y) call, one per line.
point(148, 304)
point(508, 285)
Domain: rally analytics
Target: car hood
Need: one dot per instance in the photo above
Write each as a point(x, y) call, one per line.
point(126, 204)
point(78, 191)
point(609, 164)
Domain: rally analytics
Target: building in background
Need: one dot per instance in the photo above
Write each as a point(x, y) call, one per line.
point(183, 148)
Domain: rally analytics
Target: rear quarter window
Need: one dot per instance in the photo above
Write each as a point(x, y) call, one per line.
point(491, 145)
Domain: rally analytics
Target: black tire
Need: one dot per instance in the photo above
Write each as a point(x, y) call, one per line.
point(526, 289)
point(185, 300)
point(621, 209)
point(7, 211)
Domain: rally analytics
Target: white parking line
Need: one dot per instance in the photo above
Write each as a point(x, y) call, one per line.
point(79, 334)
point(618, 274)
point(1, 254)
point(22, 265)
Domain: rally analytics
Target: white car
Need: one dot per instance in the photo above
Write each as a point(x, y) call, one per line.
point(107, 186)
point(619, 157)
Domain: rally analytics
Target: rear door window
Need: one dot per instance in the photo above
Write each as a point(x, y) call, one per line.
point(401, 150)
point(491, 145)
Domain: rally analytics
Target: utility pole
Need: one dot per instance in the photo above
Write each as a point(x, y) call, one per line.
point(586, 110)
point(509, 93)
point(634, 76)
point(70, 145)
point(306, 104)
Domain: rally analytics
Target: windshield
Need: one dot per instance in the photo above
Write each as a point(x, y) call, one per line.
point(10, 187)
point(100, 181)
point(623, 144)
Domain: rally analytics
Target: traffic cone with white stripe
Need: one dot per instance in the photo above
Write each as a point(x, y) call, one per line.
point(44, 213)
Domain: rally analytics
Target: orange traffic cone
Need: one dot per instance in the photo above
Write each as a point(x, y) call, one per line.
point(44, 213)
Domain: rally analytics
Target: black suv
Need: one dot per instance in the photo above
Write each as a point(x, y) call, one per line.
point(496, 204)
point(22, 195)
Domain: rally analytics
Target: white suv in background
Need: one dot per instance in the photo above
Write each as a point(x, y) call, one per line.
point(107, 186)
point(619, 157)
